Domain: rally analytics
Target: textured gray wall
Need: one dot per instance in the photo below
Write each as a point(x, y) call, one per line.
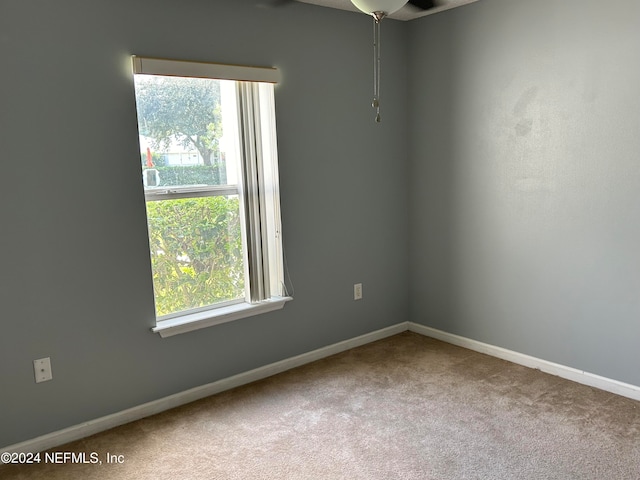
point(525, 168)
point(74, 258)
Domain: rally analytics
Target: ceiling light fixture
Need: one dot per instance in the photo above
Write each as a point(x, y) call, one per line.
point(378, 9)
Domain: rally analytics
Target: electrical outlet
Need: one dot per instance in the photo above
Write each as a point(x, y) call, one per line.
point(357, 291)
point(42, 369)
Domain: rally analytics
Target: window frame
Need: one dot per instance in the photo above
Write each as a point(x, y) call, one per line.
point(258, 188)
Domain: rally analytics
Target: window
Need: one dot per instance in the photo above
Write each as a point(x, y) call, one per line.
point(210, 177)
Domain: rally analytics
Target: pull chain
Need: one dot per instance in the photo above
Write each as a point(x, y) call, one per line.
point(377, 18)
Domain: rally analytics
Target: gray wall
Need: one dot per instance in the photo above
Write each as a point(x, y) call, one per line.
point(74, 258)
point(525, 168)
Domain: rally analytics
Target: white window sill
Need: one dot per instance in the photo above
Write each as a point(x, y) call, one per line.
point(196, 321)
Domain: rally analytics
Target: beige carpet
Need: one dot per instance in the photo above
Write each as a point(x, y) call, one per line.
point(407, 407)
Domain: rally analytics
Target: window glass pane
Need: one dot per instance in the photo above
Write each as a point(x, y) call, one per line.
point(182, 139)
point(196, 252)
point(188, 137)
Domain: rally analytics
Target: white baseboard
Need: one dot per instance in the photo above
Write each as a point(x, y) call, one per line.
point(101, 424)
point(578, 376)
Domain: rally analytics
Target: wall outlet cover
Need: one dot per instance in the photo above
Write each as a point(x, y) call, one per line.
point(42, 369)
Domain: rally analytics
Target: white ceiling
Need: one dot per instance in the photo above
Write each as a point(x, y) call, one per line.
point(408, 12)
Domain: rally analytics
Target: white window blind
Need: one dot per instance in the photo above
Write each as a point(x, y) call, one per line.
point(220, 71)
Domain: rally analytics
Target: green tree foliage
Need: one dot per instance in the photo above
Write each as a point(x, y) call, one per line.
point(196, 252)
point(186, 109)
